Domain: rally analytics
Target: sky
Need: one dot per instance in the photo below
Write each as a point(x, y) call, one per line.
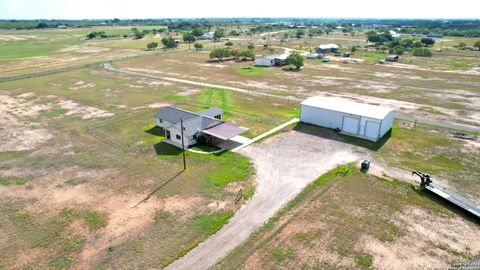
point(127, 9)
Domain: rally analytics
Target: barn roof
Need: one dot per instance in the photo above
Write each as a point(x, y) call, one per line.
point(275, 56)
point(328, 46)
point(348, 106)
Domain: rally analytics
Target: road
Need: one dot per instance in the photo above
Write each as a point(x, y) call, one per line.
point(284, 164)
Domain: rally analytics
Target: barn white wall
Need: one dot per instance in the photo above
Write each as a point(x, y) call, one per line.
point(369, 128)
point(387, 123)
point(320, 117)
point(263, 62)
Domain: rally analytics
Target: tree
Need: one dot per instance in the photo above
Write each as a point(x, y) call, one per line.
point(397, 50)
point(477, 44)
point(152, 45)
point(300, 33)
point(138, 35)
point(247, 54)
point(218, 34)
point(354, 49)
point(42, 25)
point(229, 44)
point(198, 46)
point(92, 35)
point(220, 53)
point(462, 45)
point(295, 59)
point(428, 41)
point(423, 52)
point(197, 32)
point(169, 42)
point(374, 38)
point(234, 33)
point(189, 38)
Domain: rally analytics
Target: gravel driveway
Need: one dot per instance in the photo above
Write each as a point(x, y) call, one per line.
point(284, 164)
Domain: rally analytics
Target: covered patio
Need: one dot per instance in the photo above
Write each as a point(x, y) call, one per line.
point(226, 135)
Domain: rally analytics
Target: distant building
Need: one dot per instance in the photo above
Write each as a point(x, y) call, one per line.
point(209, 35)
point(433, 35)
point(271, 60)
point(394, 34)
point(326, 48)
point(62, 27)
point(392, 58)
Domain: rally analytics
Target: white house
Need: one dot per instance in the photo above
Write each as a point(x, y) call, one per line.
point(271, 60)
point(208, 35)
point(326, 48)
point(361, 120)
point(206, 123)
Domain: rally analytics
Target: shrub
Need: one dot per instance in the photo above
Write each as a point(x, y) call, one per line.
point(422, 52)
point(397, 50)
point(229, 44)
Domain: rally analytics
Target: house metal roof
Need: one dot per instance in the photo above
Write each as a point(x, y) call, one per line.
point(328, 46)
point(275, 56)
point(225, 131)
point(174, 115)
point(211, 112)
point(348, 106)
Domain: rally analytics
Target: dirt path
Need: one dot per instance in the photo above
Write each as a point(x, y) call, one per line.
point(285, 164)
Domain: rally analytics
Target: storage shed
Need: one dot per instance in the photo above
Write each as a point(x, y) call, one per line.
point(361, 120)
point(271, 60)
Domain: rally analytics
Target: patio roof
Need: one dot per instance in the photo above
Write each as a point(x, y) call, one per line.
point(225, 131)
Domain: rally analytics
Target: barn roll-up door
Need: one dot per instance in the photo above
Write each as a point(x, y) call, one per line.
point(372, 130)
point(350, 124)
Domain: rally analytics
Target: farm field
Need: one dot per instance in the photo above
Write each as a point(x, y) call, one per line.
point(87, 183)
point(413, 90)
point(358, 221)
point(28, 51)
point(74, 166)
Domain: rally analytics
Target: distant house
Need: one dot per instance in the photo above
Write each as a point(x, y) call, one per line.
point(62, 27)
point(206, 123)
point(392, 58)
point(209, 35)
point(326, 48)
point(433, 35)
point(394, 34)
point(271, 60)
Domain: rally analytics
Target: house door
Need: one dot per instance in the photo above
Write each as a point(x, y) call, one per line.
point(167, 132)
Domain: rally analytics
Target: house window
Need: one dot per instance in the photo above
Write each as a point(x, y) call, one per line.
point(160, 120)
point(218, 116)
point(194, 136)
point(178, 137)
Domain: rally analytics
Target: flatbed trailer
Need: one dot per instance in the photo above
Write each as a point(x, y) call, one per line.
point(454, 198)
point(448, 195)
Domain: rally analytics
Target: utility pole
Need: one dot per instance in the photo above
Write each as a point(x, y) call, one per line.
point(183, 145)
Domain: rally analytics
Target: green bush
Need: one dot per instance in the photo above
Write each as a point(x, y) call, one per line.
point(422, 52)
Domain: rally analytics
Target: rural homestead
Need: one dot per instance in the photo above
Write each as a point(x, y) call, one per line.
point(193, 135)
